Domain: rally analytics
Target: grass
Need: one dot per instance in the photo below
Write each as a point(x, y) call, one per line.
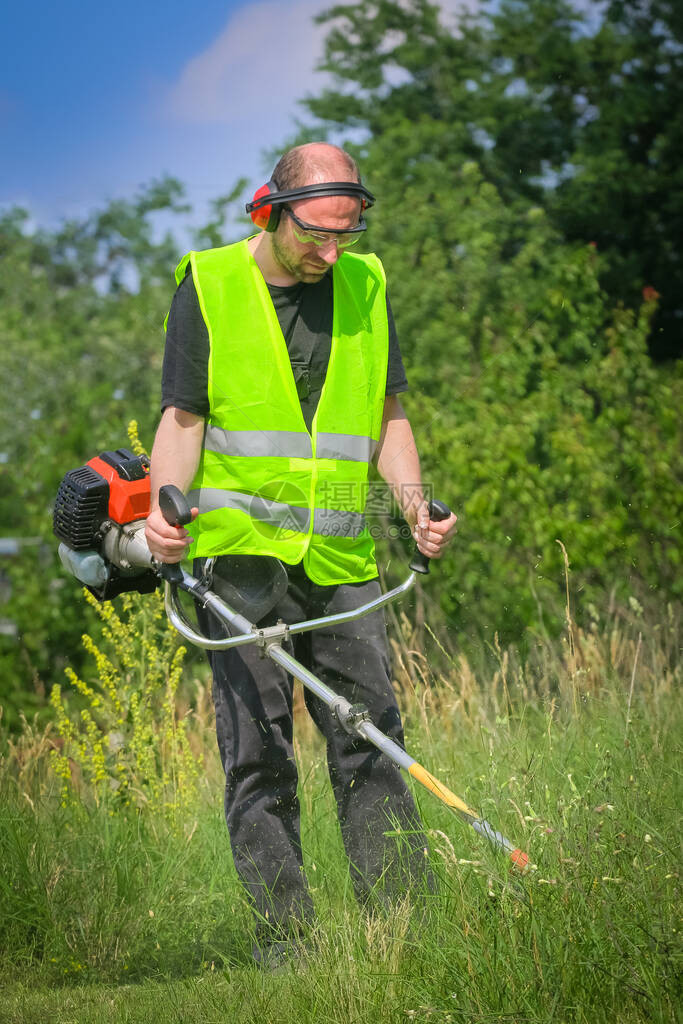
point(132, 915)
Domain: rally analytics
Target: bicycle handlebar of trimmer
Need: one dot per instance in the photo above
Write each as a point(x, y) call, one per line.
point(175, 508)
point(438, 510)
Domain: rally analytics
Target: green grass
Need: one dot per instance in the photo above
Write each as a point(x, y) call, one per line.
point(125, 917)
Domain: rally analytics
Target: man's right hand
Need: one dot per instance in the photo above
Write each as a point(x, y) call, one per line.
point(175, 457)
point(166, 543)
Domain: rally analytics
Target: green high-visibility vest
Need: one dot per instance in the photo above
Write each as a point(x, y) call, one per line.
point(265, 485)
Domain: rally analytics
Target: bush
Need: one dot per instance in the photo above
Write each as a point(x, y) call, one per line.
point(127, 745)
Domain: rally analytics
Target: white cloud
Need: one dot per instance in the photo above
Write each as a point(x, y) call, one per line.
point(263, 61)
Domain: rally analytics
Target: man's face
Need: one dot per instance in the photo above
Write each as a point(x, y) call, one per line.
point(308, 262)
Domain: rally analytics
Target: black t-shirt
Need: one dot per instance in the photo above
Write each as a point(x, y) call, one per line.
point(304, 312)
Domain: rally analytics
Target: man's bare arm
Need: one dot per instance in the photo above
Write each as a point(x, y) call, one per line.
point(397, 459)
point(398, 463)
point(175, 457)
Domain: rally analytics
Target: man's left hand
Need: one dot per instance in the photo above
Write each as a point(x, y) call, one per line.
point(432, 536)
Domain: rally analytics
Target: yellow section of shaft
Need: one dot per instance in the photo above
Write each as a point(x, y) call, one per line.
point(438, 789)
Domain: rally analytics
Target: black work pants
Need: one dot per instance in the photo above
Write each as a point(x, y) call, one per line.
point(253, 703)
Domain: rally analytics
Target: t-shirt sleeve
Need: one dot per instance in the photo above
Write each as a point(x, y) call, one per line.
point(185, 373)
point(396, 374)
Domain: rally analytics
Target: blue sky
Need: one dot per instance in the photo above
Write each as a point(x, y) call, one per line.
point(96, 99)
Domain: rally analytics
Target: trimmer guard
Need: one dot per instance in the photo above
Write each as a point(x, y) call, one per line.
point(250, 584)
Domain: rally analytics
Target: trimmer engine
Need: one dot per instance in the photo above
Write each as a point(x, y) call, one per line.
point(99, 517)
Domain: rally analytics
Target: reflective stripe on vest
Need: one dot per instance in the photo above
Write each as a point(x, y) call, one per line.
point(274, 513)
point(345, 446)
point(326, 522)
point(288, 444)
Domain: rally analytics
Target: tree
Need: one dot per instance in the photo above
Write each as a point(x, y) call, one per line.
point(616, 98)
point(581, 115)
point(537, 409)
point(83, 310)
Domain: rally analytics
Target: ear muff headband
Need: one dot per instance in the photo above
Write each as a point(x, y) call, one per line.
point(266, 206)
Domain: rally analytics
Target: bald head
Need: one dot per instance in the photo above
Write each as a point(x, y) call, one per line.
point(313, 163)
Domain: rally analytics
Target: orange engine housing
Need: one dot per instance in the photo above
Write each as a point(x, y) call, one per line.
point(129, 493)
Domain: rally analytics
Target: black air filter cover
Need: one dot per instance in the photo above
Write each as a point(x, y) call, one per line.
point(80, 507)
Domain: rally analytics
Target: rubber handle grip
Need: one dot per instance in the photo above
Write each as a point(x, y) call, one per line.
point(175, 508)
point(438, 510)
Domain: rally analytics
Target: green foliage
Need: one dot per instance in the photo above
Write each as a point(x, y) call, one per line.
point(123, 896)
point(538, 412)
point(77, 363)
point(126, 917)
point(576, 108)
point(127, 745)
point(118, 243)
point(612, 93)
point(529, 198)
point(83, 308)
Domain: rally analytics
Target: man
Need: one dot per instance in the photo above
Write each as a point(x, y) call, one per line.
point(281, 375)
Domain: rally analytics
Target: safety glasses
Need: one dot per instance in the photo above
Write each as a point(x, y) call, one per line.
point(310, 234)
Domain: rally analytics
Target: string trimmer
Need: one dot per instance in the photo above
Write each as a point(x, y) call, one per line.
point(99, 518)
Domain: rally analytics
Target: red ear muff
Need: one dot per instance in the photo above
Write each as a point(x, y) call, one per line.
point(265, 216)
